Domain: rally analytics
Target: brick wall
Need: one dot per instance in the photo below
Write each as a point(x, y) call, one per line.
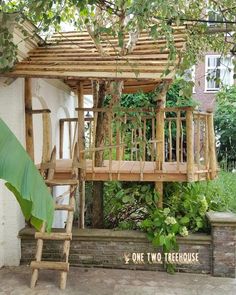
point(106, 248)
point(123, 249)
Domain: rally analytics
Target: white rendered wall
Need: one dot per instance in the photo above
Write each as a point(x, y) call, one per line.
point(11, 220)
point(12, 112)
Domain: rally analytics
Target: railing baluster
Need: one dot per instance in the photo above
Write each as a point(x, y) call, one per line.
point(206, 146)
point(170, 141)
point(110, 144)
point(153, 138)
point(182, 143)
point(198, 139)
point(178, 127)
point(144, 138)
point(190, 145)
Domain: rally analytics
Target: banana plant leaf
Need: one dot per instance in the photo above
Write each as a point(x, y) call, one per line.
point(24, 181)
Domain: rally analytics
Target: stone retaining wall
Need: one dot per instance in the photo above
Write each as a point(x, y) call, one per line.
point(107, 248)
point(129, 249)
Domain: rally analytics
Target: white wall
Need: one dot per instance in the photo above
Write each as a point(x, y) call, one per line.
point(11, 220)
point(12, 112)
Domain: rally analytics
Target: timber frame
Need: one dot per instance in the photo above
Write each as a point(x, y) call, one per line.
point(181, 143)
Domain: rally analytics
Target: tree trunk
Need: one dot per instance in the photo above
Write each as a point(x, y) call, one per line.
point(101, 127)
point(97, 213)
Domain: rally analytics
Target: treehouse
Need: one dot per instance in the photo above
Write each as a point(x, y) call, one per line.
point(159, 144)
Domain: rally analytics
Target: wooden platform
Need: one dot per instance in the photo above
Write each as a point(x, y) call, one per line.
point(131, 171)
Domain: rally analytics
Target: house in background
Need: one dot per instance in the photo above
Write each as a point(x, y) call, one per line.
point(209, 75)
point(212, 71)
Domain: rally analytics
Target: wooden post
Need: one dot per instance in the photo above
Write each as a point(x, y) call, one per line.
point(47, 138)
point(160, 137)
point(159, 190)
point(29, 134)
point(81, 156)
point(118, 141)
point(212, 151)
point(61, 139)
point(190, 147)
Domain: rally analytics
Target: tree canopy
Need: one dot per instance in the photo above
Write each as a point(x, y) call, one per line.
point(206, 24)
point(225, 122)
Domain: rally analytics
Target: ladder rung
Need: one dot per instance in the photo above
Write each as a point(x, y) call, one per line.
point(63, 266)
point(64, 207)
point(53, 236)
point(52, 182)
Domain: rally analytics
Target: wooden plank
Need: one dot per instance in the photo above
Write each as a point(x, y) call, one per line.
point(29, 133)
point(53, 236)
point(90, 47)
point(100, 62)
point(98, 68)
point(38, 111)
point(82, 74)
point(64, 207)
point(90, 44)
point(61, 266)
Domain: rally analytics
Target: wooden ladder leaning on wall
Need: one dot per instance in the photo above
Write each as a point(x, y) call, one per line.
point(47, 170)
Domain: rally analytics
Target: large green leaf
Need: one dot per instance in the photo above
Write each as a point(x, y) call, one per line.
point(24, 180)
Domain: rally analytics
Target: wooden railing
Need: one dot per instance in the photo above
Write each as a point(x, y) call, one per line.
point(132, 135)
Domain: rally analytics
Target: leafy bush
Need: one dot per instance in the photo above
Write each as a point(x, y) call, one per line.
point(127, 204)
point(133, 206)
point(225, 123)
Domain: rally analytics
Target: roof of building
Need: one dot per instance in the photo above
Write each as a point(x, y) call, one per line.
point(72, 57)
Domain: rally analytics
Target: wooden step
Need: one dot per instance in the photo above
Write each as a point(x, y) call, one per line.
point(64, 207)
point(53, 236)
point(53, 182)
point(62, 266)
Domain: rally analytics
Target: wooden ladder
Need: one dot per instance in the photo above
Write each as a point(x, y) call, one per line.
point(48, 170)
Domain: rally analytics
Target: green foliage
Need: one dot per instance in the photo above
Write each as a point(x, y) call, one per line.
point(180, 94)
point(8, 50)
point(133, 206)
point(127, 204)
point(116, 18)
point(225, 124)
point(24, 180)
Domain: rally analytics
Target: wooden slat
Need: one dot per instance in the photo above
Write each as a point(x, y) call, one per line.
point(102, 68)
point(64, 207)
point(85, 74)
point(61, 266)
point(55, 182)
point(53, 236)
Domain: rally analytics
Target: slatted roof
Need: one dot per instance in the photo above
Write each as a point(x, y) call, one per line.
point(72, 56)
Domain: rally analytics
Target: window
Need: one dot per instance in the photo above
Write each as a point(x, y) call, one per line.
point(219, 71)
point(215, 17)
point(189, 75)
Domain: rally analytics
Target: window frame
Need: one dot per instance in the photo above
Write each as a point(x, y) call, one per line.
point(221, 67)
